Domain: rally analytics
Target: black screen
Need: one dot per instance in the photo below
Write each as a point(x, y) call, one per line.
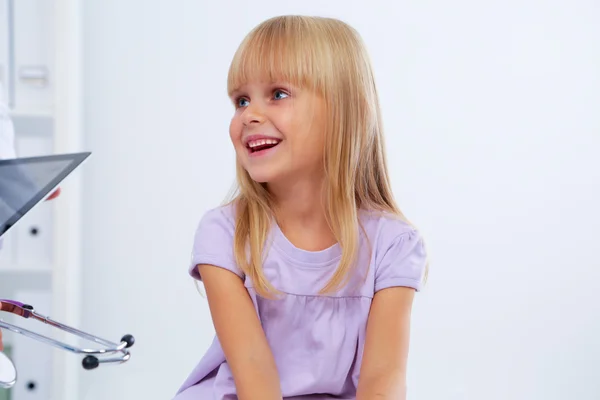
point(24, 182)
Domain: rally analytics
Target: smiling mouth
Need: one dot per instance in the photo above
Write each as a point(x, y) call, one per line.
point(260, 145)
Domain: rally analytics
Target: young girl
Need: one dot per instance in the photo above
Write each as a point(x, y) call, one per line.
point(311, 269)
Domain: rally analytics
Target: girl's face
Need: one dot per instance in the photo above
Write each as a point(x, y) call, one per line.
point(278, 132)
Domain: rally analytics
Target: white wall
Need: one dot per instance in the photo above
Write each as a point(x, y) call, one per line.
point(492, 113)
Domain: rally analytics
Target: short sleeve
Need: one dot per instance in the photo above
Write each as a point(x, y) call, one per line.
point(213, 242)
point(403, 264)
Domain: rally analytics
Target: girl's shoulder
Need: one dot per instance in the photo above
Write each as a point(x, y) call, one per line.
point(385, 225)
point(223, 215)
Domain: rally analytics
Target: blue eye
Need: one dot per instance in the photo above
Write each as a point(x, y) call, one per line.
point(279, 93)
point(239, 102)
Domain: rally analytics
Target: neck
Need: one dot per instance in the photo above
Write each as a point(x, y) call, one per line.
point(299, 202)
point(300, 214)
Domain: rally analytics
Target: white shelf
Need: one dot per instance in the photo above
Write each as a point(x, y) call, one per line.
point(39, 112)
point(26, 269)
point(10, 268)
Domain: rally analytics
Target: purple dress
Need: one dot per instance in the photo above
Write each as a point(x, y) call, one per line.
point(317, 340)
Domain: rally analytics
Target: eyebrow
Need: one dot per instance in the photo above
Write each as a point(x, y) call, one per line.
point(275, 83)
point(235, 92)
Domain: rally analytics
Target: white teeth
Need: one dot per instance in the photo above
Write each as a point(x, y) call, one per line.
point(261, 142)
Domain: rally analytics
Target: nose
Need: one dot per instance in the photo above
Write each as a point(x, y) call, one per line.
point(253, 115)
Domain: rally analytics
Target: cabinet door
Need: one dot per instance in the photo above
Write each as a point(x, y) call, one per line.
point(33, 55)
point(32, 358)
point(4, 59)
point(34, 233)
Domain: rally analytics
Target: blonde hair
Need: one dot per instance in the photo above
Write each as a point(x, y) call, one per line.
point(328, 57)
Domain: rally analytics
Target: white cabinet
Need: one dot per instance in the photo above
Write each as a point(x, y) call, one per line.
point(40, 62)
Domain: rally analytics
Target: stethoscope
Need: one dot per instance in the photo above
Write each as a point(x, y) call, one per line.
point(8, 372)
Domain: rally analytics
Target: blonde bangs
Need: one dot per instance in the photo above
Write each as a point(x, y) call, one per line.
point(279, 50)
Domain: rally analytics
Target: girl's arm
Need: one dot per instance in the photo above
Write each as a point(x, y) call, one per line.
point(241, 335)
point(383, 370)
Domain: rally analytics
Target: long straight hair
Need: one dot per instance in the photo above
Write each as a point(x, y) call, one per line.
point(328, 57)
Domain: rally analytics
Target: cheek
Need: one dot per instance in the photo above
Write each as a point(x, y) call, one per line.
point(235, 131)
point(310, 138)
point(308, 146)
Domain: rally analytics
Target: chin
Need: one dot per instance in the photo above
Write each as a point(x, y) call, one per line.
point(262, 175)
